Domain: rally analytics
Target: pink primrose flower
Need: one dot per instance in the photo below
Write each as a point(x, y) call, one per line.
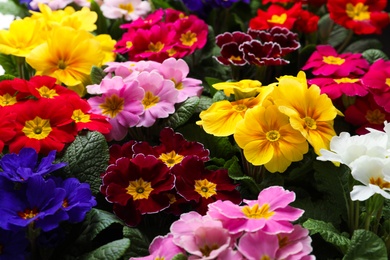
point(326, 61)
point(162, 247)
point(129, 9)
point(53, 4)
point(159, 97)
point(258, 245)
point(270, 213)
point(336, 87)
point(177, 71)
point(121, 103)
point(294, 245)
point(201, 236)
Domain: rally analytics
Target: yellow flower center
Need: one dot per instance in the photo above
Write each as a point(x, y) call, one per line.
point(159, 258)
point(112, 106)
point(358, 12)
point(37, 128)
point(171, 197)
point(258, 212)
point(283, 241)
point(375, 117)
point(332, 60)
point(188, 38)
point(206, 249)
point(129, 44)
point(149, 100)
point(171, 158)
point(279, 19)
point(310, 123)
point(380, 183)
point(78, 116)
point(265, 257)
point(65, 203)
point(240, 108)
point(7, 100)
point(127, 7)
point(46, 92)
point(28, 213)
point(235, 58)
point(61, 65)
point(205, 188)
point(177, 85)
point(155, 47)
point(272, 135)
point(171, 52)
point(388, 82)
point(345, 80)
point(139, 189)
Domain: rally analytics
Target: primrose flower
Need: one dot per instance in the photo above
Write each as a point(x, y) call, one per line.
point(270, 213)
point(121, 103)
point(326, 61)
point(7, 127)
point(128, 9)
point(245, 88)
point(20, 167)
point(268, 139)
point(374, 174)
point(230, 51)
point(52, 4)
point(258, 245)
point(295, 245)
point(361, 16)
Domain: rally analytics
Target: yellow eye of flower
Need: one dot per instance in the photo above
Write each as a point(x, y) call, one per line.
point(127, 7)
point(273, 135)
point(188, 38)
point(346, 80)
point(240, 108)
point(380, 183)
point(205, 188)
point(28, 213)
point(139, 189)
point(279, 19)
point(358, 12)
point(112, 106)
point(78, 116)
point(7, 100)
point(388, 82)
point(310, 123)
point(332, 60)
point(171, 158)
point(149, 100)
point(206, 249)
point(257, 212)
point(45, 92)
point(37, 128)
point(155, 47)
point(129, 44)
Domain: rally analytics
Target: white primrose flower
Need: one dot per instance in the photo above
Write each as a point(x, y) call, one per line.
point(346, 148)
point(374, 174)
point(129, 9)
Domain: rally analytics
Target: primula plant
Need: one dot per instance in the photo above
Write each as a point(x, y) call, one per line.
point(208, 129)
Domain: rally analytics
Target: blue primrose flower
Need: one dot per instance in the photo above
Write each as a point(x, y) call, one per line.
point(38, 201)
point(13, 245)
point(20, 167)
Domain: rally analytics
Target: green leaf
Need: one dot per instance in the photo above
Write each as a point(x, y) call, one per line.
point(180, 257)
point(366, 245)
point(210, 82)
point(6, 77)
point(204, 104)
point(9, 64)
point(338, 35)
point(328, 232)
point(139, 243)
point(160, 4)
point(87, 157)
point(305, 53)
point(97, 74)
point(9, 7)
point(111, 251)
point(183, 112)
point(102, 22)
point(219, 96)
point(96, 221)
point(371, 55)
point(362, 45)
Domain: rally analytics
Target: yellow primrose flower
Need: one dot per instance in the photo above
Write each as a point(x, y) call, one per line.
point(267, 138)
point(242, 89)
point(22, 36)
point(310, 112)
point(221, 118)
point(68, 55)
point(107, 44)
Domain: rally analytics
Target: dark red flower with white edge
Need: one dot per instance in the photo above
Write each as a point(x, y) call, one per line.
point(229, 44)
point(262, 54)
point(117, 151)
point(173, 148)
point(276, 15)
point(141, 180)
point(365, 112)
point(84, 119)
point(46, 87)
point(377, 79)
point(287, 40)
point(43, 125)
point(195, 183)
point(128, 213)
point(360, 16)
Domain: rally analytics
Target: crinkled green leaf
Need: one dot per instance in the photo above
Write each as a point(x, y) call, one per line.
point(139, 243)
point(9, 65)
point(324, 27)
point(366, 245)
point(97, 74)
point(204, 103)
point(102, 22)
point(160, 4)
point(331, 33)
point(219, 96)
point(328, 232)
point(6, 77)
point(10, 7)
point(111, 251)
point(183, 112)
point(179, 257)
point(338, 35)
point(87, 157)
point(371, 55)
point(95, 222)
point(362, 45)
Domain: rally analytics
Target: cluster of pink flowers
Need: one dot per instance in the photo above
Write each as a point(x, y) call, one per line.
point(258, 229)
point(162, 34)
point(350, 75)
point(145, 179)
point(139, 93)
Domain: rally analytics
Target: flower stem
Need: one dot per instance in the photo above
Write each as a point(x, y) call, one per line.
point(20, 61)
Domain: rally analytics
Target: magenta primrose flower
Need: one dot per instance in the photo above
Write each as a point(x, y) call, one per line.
point(336, 87)
point(326, 61)
point(270, 213)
